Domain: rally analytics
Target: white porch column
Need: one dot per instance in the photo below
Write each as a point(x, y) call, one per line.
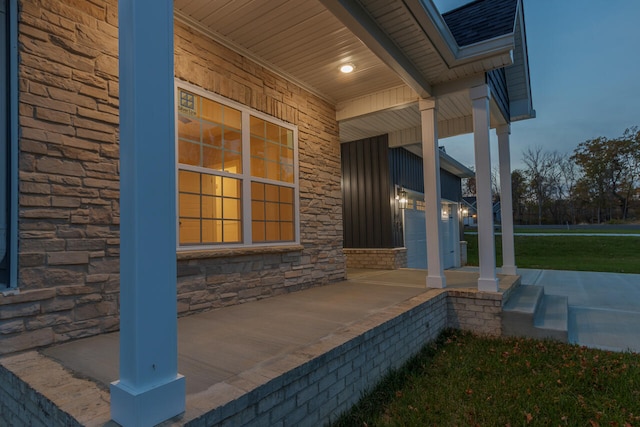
point(506, 201)
point(486, 244)
point(149, 390)
point(433, 203)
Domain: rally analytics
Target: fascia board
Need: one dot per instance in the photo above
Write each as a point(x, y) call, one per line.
point(432, 23)
point(453, 166)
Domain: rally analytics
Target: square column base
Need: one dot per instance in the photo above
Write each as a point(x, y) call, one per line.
point(142, 408)
point(438, 282)
point(509, 270)
point(488, 285)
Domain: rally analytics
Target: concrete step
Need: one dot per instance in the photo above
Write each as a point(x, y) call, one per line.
point(552, 319)
point(531, 313)
point(519, 311)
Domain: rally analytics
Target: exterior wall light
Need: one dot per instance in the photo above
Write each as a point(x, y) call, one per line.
point(401, 197)
point(347, 68)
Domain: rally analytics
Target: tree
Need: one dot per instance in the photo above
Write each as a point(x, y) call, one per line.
point(611, 169)
point(543, 175)
point(519, 195)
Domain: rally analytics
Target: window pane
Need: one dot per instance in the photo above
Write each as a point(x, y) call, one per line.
point(207, 207)
point(190, 205)
point(257, 167)
point(257, 230)
point(211, 110)
point(286, 137)
point(286, 155)
point(273, 170)
point(232, 118)
point(188, 128)
point(188, 182)
point(231, 209)
point(273, 152)
point(273, 132)
point(257, 147)
point(257, 191)
point(286, 212)
point(189, 231)
point(272, 193)
point(286, 231)
point(211, 231)
point(232, 162)
point(231, 187)
point(232, 141)
point(232, 231)
point(286, 195)
point(257, 210)
point(257, 126)
point(272, 231)
point(272, 211)
point(212, 158)
point(211, 134)
point(211, 185)
point(188, 153)
point(286, 173)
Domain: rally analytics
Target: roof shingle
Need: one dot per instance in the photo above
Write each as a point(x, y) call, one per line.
point(481, 20)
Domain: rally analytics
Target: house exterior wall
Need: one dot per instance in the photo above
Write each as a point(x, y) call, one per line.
point(69, 179)
point(367, 194)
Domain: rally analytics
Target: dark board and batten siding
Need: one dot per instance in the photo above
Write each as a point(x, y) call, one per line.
point(407, 171)
point(367, 195)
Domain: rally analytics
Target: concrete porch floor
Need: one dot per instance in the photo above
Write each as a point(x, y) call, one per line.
point(231, 351)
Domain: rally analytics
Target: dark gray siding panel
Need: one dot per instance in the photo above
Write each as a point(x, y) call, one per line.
point(406, 169)
point(407, 172)
point(497, 81)
point(450, 186)
point(366, 193)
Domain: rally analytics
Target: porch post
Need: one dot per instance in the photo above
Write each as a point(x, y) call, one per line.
point(149, 390)
point(506, 201)
point(433, 203)
point(480, 96)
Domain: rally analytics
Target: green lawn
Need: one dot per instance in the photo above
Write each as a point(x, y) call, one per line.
point(464, 380)
point(573, 230)
point(580, 253)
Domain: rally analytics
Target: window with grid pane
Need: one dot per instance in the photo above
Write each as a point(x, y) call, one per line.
point(236, 174)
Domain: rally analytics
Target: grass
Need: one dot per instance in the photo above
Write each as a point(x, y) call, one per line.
point(577, 253)
point(576, 230)
point(465, 380)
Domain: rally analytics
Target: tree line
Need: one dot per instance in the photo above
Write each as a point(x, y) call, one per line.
point(598, 182)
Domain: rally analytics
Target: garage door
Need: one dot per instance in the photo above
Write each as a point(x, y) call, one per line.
point(415, 235)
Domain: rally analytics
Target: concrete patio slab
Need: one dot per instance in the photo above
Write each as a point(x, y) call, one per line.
point(303, 357)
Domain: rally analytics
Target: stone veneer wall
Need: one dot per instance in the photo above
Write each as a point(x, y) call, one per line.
point(69, 178)
point(385, 259)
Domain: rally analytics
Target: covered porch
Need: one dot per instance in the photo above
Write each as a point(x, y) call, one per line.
point(319, 349)
point(413, 76)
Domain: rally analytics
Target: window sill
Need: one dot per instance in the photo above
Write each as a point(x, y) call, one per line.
point(186, 255)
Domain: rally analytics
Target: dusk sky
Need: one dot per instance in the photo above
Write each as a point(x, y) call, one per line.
point(584, 60)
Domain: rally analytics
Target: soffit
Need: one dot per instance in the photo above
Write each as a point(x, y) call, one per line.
point(300, 39)
point(305, 42)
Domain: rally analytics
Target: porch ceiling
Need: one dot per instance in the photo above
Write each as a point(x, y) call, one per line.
point(307, 40)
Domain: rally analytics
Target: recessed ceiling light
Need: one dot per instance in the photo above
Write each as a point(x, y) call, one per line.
point(347, 68)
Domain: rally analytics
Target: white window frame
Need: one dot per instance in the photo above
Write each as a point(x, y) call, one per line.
point(245, 177)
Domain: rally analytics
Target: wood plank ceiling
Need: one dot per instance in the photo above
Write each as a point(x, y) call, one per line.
point(306, 43)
